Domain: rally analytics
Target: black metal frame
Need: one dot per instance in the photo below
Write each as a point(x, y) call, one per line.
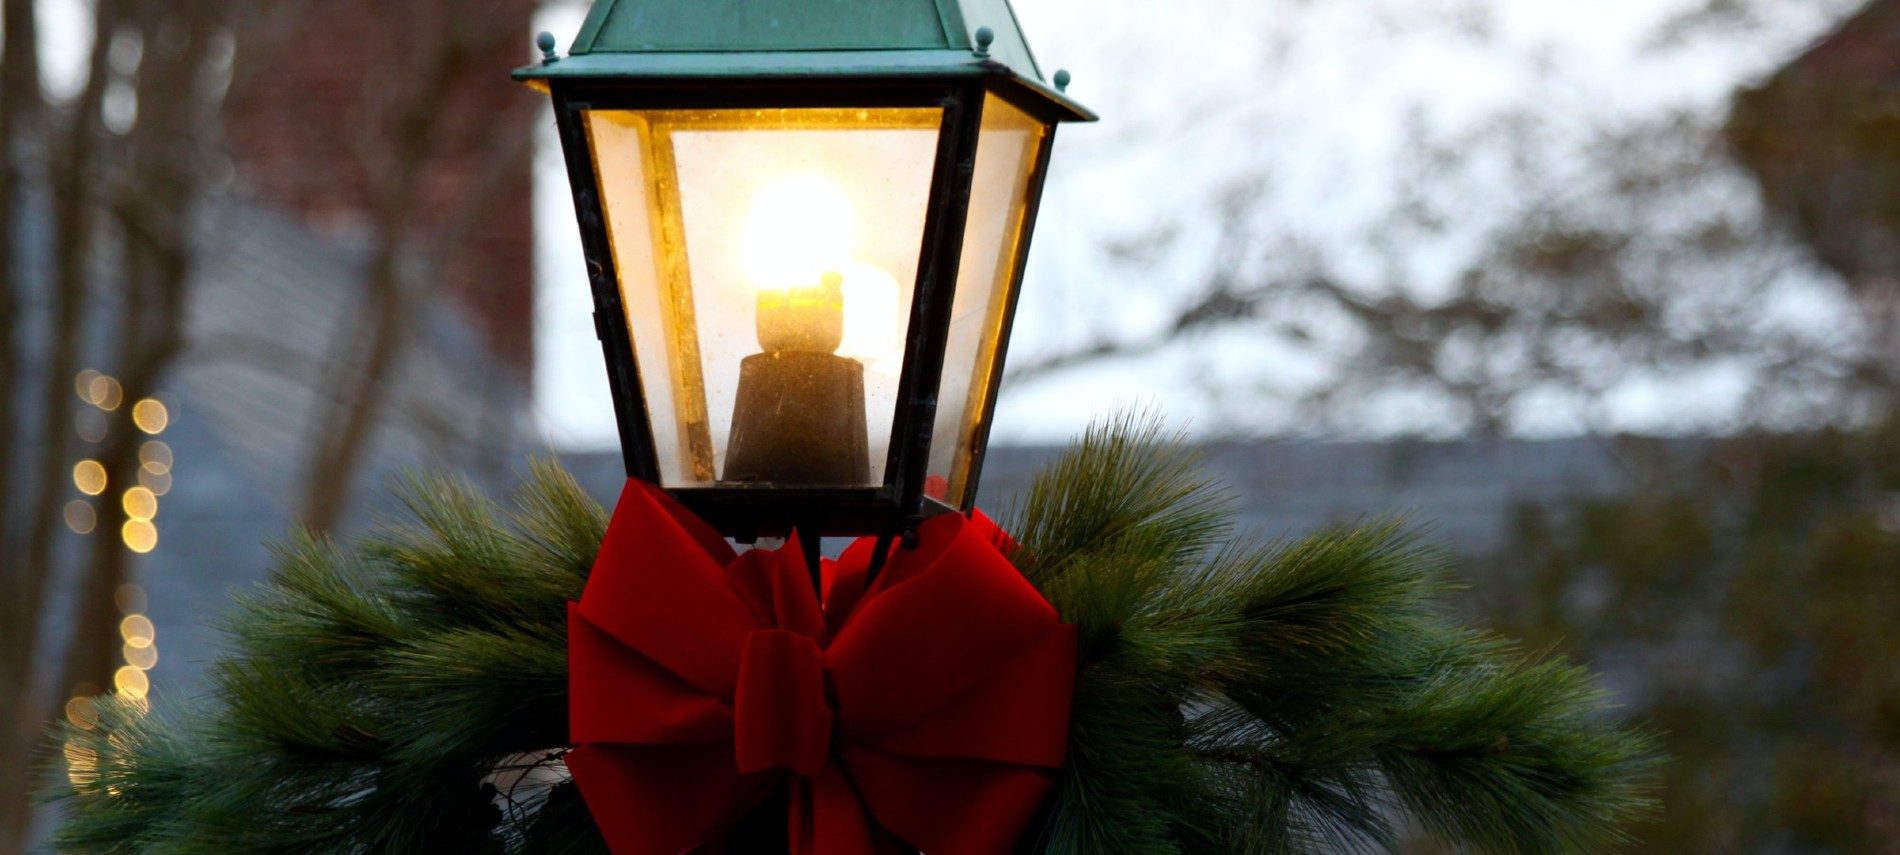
point(747, 512)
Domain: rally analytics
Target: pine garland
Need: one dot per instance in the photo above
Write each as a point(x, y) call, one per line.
point(407, 693)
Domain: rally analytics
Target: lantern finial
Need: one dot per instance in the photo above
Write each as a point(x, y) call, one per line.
point(545, 41)
point(984, 36)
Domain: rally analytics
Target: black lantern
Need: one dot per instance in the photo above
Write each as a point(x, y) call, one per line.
point(805, 223)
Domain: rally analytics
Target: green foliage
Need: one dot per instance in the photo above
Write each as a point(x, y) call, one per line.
point(407, 693)
point(1301, 697)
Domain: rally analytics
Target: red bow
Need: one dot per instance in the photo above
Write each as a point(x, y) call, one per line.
point(933, 707)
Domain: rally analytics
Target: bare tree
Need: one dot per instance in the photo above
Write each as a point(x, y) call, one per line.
point(123, 193)
point(428, 105)
point(1536, 267)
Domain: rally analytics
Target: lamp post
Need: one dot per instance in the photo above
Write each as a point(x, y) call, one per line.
point(805, 222)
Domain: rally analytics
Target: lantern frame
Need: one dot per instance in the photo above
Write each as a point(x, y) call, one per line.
point(958, 83)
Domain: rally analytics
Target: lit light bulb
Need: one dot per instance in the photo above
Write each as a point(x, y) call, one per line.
point(798, 413)
point(797, 229)
point(799, 235)
point(871, 319)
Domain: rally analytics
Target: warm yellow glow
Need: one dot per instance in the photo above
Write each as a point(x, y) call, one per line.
point(80, 517)
point(131, 682)
point(105, 393)
point(142, 658)
point(797, 229)
point(81, 712)
point(150, 415)
point(139, 535)
point(159, 483)
point(140, 504)
point(129, 598)
point(90, 477)
point(155, 457)
point(83, 384)
point(137, 630)
point(82, 763)
point(871, 321)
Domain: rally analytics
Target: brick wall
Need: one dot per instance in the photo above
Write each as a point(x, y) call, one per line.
point(330, 97)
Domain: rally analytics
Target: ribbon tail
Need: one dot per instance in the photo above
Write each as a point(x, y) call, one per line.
point(950, 807)
point(659, 800)
point(827, 818)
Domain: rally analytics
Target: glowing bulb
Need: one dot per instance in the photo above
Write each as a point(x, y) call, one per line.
point(90, 477)
point(797, 229)
point(871, 320)
point(140, 503)
point(137, 630)
point(151, 416)
point(131, 682)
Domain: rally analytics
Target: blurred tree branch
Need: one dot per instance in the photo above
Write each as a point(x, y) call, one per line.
point(398, 146)
point(121, 201)
point(1531, 268)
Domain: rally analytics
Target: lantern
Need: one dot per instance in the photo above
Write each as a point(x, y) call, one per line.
point(805, 222)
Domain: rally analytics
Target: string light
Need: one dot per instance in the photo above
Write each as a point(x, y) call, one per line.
point(139, 535)
point(140, 504)
point(159, 483)
point(142, 658)
point(151, 416)
point(137, 630)
point(90, 477)
point(82, 384)
point(81, 711)
point(155, 457)
point(82, 764)
point(131, 682)
point(105, 393)
point(80, 517)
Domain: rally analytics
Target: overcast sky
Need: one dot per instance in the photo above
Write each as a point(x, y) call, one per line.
point(1193, 91)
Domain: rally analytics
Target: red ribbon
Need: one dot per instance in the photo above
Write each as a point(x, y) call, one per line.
point(932, 708)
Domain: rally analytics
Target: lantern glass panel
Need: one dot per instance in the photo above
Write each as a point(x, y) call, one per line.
point(766, 261)
point(994, 239)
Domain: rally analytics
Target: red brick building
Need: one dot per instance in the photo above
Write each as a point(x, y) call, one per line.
point(368, 115)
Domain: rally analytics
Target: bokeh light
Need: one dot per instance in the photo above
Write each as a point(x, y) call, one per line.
point(82, 384)
point(82, 763)
point(151, 416)
point(90, 477)
point(139, 535)
point(137, 630)
point(131, 682)
point(155, 456)
point(142, 658)
point(81, 711)
point(159, 483)
point(140, 504)
point(105, 393)
point(80, 517)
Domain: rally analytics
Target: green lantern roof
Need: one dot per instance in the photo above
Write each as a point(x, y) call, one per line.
point(801, 38)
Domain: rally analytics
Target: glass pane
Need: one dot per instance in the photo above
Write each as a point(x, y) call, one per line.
point(993, 241)
point(767, 260)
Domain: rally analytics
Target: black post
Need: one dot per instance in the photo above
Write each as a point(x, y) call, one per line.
point(812, 542)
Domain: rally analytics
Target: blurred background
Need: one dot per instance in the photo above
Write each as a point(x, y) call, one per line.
point(1604, 295)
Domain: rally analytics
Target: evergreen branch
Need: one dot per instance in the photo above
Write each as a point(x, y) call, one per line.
point(407, 692)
